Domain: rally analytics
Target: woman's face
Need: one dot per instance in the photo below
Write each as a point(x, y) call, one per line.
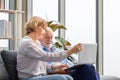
point(41, 31)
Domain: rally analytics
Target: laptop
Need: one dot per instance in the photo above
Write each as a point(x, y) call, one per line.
point(87, 55)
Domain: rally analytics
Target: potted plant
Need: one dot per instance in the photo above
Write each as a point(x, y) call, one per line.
point(61, 43)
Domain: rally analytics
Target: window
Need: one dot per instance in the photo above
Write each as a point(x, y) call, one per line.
point(81, 21)
point(47, 9)
point(4, 42)
point(111, 37)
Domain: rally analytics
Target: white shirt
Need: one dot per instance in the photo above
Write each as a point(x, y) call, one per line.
point(32, 61)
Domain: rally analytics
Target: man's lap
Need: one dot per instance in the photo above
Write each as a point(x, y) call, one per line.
point(85, 72)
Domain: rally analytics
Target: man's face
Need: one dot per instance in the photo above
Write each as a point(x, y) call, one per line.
point(47, 40)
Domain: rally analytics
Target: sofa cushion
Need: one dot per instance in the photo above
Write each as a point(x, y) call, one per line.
point(105, 77)
point(3, 73)
point(9, 58)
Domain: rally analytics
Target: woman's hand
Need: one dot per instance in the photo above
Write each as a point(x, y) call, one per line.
point(75, 49)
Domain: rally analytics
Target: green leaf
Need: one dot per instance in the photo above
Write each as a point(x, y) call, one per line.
point(57, 44)
point(60, 40)
point(55, 26)
point(49, 22)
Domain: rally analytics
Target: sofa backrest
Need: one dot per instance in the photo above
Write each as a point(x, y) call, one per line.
point(10, 60)
point(3, 72)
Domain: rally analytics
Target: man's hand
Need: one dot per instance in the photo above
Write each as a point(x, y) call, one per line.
point(61, 71)
point(59, 65)
point(59, 68)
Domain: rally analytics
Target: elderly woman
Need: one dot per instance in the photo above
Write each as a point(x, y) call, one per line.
point(32, 60)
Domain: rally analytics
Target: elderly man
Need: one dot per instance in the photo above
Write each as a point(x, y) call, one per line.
point(83, 72)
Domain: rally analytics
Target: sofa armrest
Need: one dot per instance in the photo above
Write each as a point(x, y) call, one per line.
point(10, 61)
point(3, 72)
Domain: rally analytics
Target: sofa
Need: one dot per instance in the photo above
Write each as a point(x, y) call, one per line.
point(8, 66)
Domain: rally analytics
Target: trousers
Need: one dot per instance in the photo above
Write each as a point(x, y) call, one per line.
point(85, 72)
point(50, 77)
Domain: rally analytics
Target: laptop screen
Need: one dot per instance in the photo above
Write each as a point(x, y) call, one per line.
point(88, 54)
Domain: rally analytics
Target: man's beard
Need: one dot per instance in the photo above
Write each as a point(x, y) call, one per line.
point(49, 45)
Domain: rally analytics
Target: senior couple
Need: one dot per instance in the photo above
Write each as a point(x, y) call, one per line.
point(37, 59)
